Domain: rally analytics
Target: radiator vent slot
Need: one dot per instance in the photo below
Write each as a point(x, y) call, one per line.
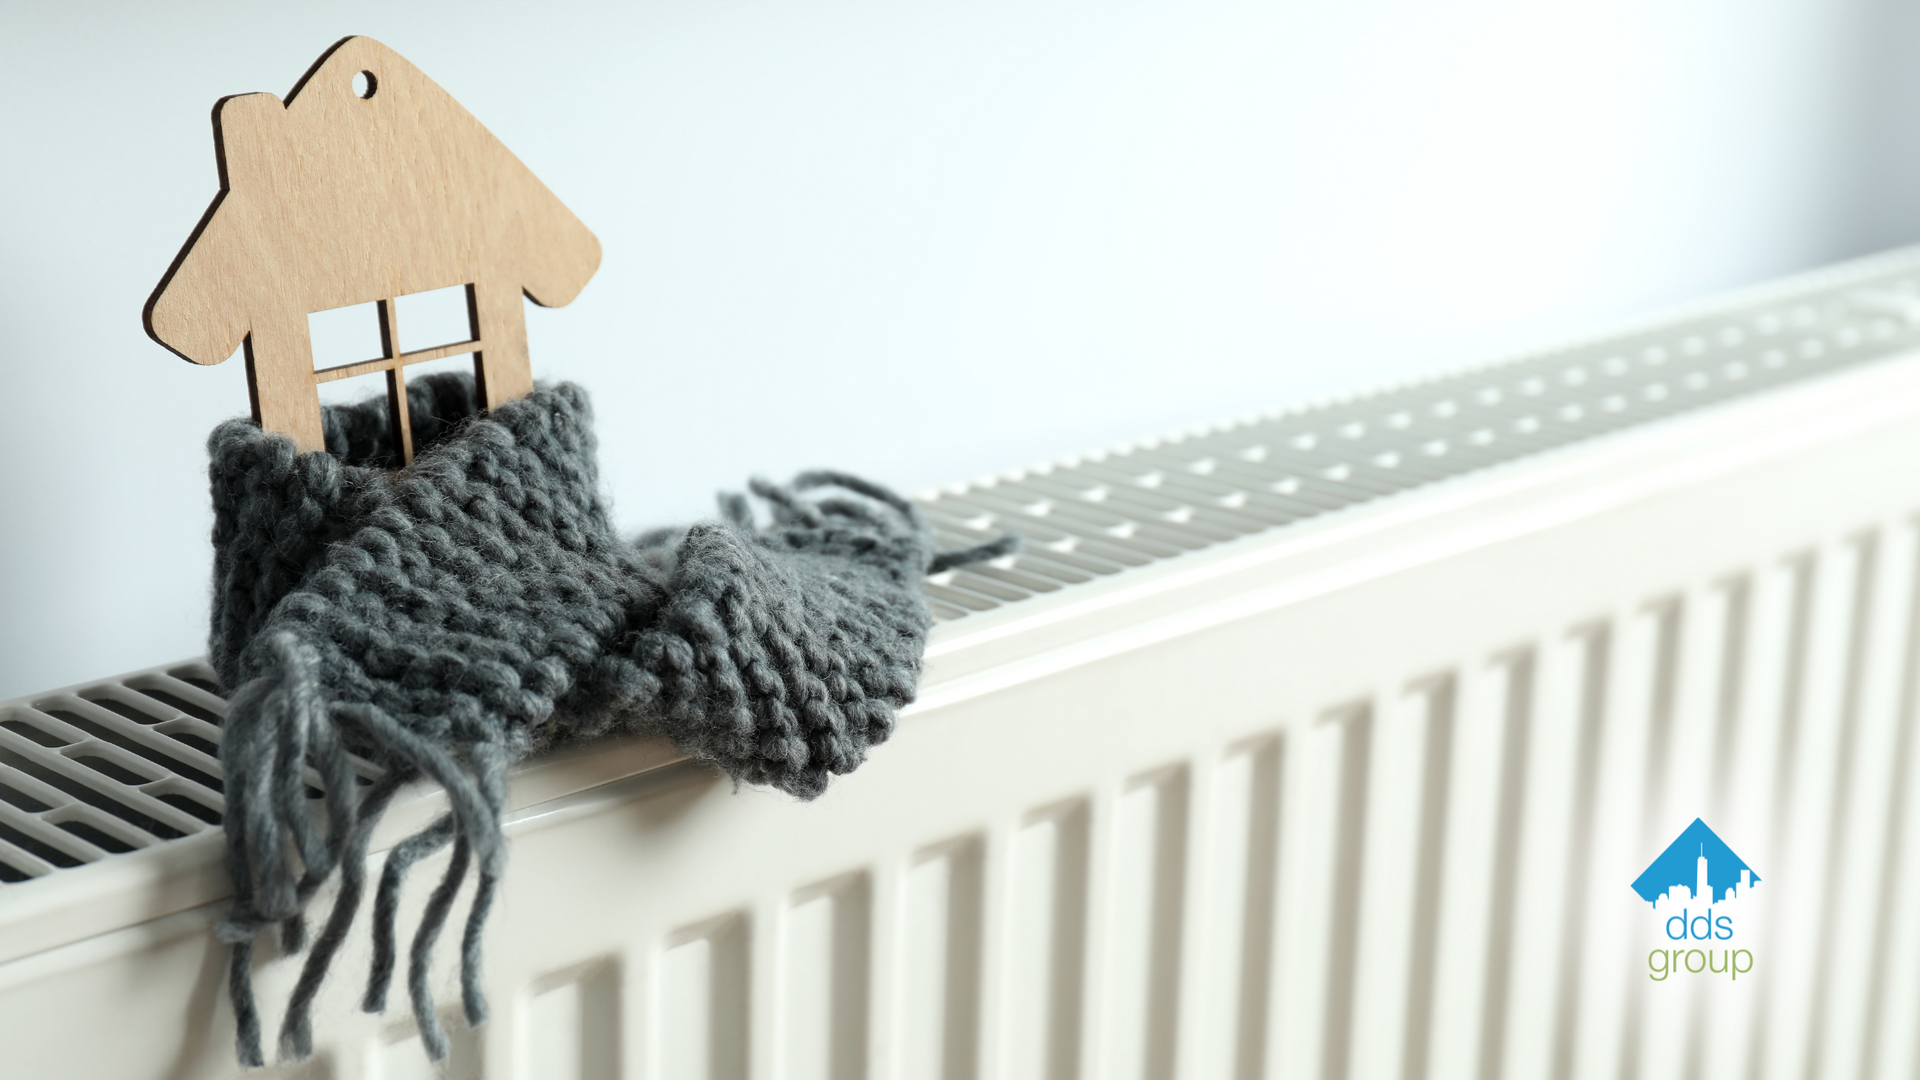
point(113, 766)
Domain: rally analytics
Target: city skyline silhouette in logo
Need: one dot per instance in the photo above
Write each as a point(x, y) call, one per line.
point(1697, 865)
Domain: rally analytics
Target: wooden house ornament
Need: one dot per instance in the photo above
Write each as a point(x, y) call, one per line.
point(367, 184)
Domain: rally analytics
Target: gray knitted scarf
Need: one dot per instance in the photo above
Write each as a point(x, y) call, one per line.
point(448, 619)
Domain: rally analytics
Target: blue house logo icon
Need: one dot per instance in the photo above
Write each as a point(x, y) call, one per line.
point(1696, 868)
point(1695, 887)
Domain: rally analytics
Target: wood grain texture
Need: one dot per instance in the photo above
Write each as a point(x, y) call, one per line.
point(333, 198)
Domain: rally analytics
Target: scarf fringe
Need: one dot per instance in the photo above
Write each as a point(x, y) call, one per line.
point(277, 726)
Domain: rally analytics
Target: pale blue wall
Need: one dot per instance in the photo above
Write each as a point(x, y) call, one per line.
point(928, 240)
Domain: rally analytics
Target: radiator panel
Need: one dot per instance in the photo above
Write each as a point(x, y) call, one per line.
point(1361, 797)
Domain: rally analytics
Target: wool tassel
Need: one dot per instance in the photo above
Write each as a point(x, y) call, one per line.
point(296, 1031)
point(387, 898)
point(432, 1035)
point(446, 620)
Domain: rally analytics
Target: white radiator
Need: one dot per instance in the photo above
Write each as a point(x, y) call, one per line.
point(1325, 744)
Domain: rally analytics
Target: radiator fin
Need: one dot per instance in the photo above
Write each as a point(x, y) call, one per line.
point(1235, 978)
point(1142, 983)
point(823, 1023)
point(402, 1057)
point(945, 905)
point(702, 1031)
point(1047, 947)
point(571, 1027)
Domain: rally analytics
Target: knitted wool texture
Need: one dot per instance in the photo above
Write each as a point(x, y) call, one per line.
point(450, 618)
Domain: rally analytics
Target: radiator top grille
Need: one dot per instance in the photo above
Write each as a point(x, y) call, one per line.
point(1098, 514)
point(122, 764)
point(108, 768)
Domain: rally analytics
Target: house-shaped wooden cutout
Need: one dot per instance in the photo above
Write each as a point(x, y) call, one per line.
point(368, 183)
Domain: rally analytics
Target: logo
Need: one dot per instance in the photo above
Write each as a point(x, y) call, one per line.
point(1695, 887)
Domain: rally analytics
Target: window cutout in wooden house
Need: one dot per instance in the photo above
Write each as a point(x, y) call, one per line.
point(354, 390)
point(402, 343)
point(344, 335)
point(437, 317)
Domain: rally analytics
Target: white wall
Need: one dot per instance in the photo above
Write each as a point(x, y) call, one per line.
point(923, 240)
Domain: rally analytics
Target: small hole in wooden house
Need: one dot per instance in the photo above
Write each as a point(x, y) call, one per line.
point(345, 335)
point(437, 317)
point(365, 83)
